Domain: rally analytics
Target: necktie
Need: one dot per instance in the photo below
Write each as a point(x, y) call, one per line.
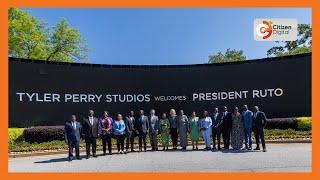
point(74, 125)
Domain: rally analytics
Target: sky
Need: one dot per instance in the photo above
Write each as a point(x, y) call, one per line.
point(168, 36)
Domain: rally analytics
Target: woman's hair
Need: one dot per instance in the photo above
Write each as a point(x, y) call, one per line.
point(105, 112)
point(205, 113)
point(119, 115)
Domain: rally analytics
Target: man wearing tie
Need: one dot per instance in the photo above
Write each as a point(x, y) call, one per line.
point(153, 130)
point(247, 127)
point(72, 132)
point(130, 130)
point(226, 126)
point(216, 122)
point(91, 131)
point(259, 122)
point(142, 129)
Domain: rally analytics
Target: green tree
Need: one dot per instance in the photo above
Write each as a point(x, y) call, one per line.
point(302, 45)
point(31, 38)
point(231, 55)
point(66, 43)
point(27, 38)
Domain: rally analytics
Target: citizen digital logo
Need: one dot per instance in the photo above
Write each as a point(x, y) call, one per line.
point(275, 29)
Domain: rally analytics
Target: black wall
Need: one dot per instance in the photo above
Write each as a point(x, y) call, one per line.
point(291, 74)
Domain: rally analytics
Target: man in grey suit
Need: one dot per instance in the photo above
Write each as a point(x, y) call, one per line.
point(142, 130)
point(153, 130)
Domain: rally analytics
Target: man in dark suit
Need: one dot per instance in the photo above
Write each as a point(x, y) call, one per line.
point(72, 133)
point(226, 126)
point(259, 122)
point(143, 130)
point(216, 122)
point(90, 127)
point(130, 130)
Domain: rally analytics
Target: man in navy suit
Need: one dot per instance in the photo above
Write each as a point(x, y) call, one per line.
point(72, 132)
point(247, 116)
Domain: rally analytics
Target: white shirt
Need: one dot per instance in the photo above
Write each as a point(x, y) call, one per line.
point(91, 120)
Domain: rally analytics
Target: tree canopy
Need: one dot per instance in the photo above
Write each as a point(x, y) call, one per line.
point(231, 55)
point(302, 45)
point(33, 39)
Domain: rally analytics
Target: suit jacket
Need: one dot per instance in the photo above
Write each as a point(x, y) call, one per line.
point(153, 124)
point(226, 121)
point(216, 120)
point(143, 124)
point(173, 121)
point(71, 133)
point(130, 125)
point(89, 130)
point(247, 119)
point(259, 120)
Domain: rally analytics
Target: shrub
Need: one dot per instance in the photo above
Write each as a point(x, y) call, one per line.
point(41, 134)
point(282, 123)
point(304, 123)
point(15, 135)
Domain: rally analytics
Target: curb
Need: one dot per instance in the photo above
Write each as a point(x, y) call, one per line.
point(31, 154)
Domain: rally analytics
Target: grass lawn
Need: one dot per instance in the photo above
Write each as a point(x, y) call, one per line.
point(22, 146)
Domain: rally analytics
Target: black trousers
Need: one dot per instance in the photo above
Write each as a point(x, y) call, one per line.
point(226, 132)
point(106, 140)
point(120, 141)
point(130, 140)
point(216, 135)
point(142, 137)
point(91, 141)
point(174, 137)
point(259, 134)
point(73, 144)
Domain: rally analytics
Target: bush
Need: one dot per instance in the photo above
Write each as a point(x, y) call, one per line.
point(286, 134)
point(15, 135)
point(304, 123)
point(41, 134)
point(282, 123)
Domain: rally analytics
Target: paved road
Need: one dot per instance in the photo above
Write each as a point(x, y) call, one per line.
point(279, 158)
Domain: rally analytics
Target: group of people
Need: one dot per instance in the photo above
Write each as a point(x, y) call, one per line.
point(236, 129)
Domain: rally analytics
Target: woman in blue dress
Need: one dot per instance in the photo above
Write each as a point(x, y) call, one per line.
point(119, 128)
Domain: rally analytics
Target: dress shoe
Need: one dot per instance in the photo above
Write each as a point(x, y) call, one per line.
point(88, 157)
point(264, 150)
point(256, 149)
point(94, 156)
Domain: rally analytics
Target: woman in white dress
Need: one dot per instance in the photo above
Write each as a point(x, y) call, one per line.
point(206, 124)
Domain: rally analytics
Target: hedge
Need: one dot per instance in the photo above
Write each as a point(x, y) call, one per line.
point(15, 135)
point(300, 123)
point(282, 123)
point(41, 134)
point(304, 123)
